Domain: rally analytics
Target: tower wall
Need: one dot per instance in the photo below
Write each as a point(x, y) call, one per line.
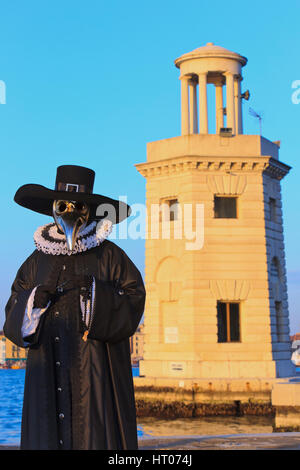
point(227, 260)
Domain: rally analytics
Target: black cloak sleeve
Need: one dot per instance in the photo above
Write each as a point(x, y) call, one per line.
point(119, 302)
point(15, 308)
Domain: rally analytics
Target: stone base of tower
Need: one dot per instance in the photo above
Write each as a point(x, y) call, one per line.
point(167, 397)
point(180, 398)
point(214, 370)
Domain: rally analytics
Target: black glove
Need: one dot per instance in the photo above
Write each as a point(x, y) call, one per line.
point(43, 295)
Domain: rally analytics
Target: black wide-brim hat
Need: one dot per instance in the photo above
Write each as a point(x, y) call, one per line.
point(73, 183)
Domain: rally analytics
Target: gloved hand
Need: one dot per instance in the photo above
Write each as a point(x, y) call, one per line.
point(43, 295)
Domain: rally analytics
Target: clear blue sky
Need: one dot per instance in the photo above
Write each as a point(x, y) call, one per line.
point(92, 82)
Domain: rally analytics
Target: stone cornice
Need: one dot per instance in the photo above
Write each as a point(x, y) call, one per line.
point(277, 169)
point(268, 165)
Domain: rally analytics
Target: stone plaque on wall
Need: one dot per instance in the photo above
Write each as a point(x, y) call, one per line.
point(171, 334)
point(178, 367)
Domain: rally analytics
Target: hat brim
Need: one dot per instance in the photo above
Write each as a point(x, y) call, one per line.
point(40, 199)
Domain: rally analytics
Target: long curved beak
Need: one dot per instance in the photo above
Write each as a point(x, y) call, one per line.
point(71, 225)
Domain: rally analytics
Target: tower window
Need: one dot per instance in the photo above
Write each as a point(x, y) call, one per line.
point(228, 315)
point(225, 207)
point(173, 206)
point(275, 268)
point(272, 207)
point(279, 321)
point(170, 209)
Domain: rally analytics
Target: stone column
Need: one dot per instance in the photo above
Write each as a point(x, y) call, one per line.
point(230, 108)
point(219, 107)
point(184, 105)
point(238, 106)
point(193, 107)
point(203, 104)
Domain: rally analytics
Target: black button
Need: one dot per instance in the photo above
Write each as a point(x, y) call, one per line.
point(64, 267)
point(120, 291)
point(56, 339)
point(56, 314)
point(59, 389)
point(61, 416)
point(58, 364)
point(61, 442)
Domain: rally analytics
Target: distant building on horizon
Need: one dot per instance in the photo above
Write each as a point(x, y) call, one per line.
point(2, 348)
point(137, 345)
point(9, 352)
point(295, 342)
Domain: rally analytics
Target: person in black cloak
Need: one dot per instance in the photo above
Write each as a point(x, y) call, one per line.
point(74, 304)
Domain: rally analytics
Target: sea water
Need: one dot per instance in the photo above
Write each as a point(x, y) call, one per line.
point(11, 400)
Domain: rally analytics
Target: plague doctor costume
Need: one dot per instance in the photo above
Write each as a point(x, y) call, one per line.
point(74, 304)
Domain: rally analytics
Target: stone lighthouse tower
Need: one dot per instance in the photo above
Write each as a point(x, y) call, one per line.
point(215, 271)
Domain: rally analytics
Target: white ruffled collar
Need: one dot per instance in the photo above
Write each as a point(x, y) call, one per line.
point(49, 241)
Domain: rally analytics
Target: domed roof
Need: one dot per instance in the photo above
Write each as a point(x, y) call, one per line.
point(210, 50)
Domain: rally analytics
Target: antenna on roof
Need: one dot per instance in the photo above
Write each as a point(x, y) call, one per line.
point(258, 116)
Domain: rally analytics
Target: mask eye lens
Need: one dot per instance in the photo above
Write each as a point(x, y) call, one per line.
point(61, 206)
point(80, 206)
